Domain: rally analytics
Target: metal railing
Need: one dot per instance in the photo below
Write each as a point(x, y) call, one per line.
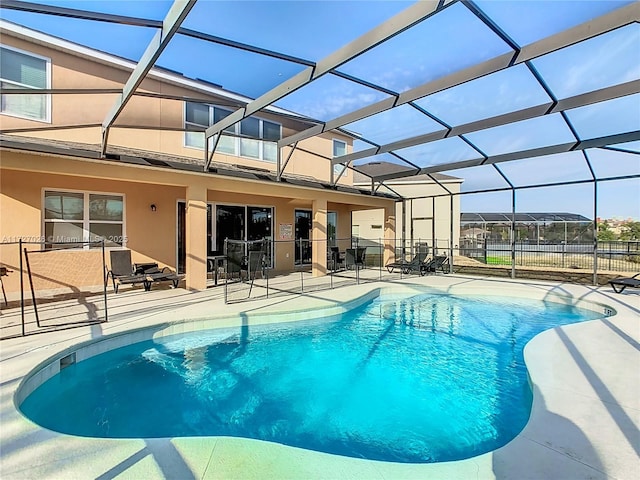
point(348, 261)
point(44, 270)
point(608, 256)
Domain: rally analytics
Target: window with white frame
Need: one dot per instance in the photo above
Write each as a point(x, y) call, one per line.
point(19, 69)
point(83, 217)
point(339, 149)
point(251, 138)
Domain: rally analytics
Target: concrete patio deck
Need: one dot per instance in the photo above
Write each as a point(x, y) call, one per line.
point(585, 422)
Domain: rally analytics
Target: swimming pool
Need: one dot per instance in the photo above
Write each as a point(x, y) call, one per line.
point(423, 378)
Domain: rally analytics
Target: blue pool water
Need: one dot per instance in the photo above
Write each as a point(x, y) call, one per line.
point(426, 378)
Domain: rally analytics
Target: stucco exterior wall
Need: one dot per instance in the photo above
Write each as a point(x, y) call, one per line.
point(150, 235)
point(154, 117)
point(424, 220)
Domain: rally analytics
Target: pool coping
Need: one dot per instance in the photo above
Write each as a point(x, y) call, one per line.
point(584, 422)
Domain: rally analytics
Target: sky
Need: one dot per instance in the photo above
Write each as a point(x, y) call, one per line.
point(449, 41)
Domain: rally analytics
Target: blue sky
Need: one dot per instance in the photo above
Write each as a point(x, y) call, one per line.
point(452, 40)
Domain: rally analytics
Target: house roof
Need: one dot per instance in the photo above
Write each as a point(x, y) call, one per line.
point(153, 159)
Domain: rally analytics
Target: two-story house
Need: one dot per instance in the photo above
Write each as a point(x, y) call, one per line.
point(148, 190)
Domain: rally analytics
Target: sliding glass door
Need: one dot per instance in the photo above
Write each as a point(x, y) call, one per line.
point(303, 235)
point(236, 222)
point(239, 222)
point(230, 223)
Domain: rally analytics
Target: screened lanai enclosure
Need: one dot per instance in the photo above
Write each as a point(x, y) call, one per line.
point(533, 106)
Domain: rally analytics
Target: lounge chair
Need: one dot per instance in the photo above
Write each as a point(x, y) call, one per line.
point(620, 283)
point(432, 266)
point(416, 264)
point(123, 272)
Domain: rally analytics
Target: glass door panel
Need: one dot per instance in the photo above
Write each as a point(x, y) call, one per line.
point(230, 223)
point(303, 233)
point(259, 227)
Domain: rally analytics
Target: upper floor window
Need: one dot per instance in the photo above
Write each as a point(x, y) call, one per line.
point(84, 217)
point(252, 137)
point(339, 149)
point(19, 69)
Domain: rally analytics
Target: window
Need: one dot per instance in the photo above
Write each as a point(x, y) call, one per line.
point(20, 69)
point(84, 217)
point(339, 149)
point(251, 138)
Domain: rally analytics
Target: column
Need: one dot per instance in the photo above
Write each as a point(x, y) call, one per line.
point(389, 233)
point(196, 238)
point(319, 237)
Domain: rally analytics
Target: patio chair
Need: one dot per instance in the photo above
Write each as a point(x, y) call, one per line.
point(335, 258)
point(153, 274)
point(432, 266)
point(254, 264)
point(236, 259)
point(415, 264)
point(124, 272)
point(620, 283)
point(354, 257)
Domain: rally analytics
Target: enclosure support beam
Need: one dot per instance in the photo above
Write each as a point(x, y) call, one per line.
point(406, 19)
point(176, 15)
point(592, 28)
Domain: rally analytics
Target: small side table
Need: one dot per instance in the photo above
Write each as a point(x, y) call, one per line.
point(213, 264)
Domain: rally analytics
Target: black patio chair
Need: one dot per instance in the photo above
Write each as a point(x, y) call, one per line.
point(335, 258)
point(354, 257)
point(415, 264)
point(236, 259)
point(436, 263)
point(620, 283)
point(123, 272)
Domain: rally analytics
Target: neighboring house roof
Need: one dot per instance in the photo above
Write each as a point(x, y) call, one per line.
point(377, 169)
point(521, 217)
point(153, 159)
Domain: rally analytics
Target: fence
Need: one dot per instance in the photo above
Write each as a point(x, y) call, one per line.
point(38, 278)
point(610, 256)
point(249, 270)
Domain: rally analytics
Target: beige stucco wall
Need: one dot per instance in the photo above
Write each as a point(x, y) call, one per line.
point(150, 235)
point(73, 72)
point(425, 215)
